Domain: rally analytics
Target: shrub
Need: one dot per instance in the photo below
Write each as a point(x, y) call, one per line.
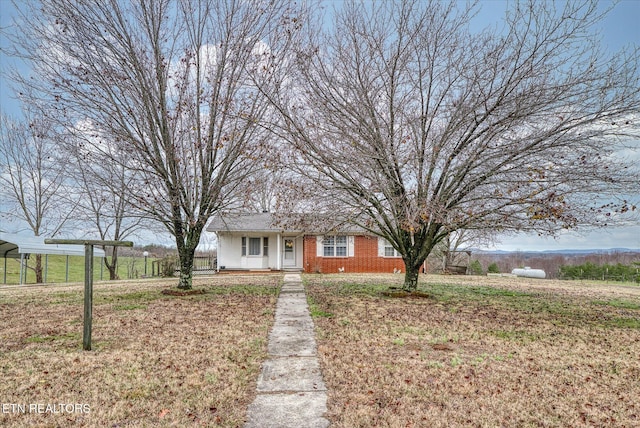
point(493, 268)
point(475, 268)
point(168, 266)
point(606, 272)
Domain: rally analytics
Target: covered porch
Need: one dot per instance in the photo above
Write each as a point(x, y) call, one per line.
point(259, 252)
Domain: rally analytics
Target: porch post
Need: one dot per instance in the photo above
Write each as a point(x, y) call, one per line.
point(218, 252)
point(279, 252)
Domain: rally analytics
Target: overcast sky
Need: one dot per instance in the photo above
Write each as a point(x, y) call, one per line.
point(619, 29)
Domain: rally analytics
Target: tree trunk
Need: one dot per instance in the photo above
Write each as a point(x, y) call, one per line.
point(112, 266)
point(38, 269)
point(411, 276)
point(418, 247)
point(113, 273)
point(186, 269)
point(187, 243)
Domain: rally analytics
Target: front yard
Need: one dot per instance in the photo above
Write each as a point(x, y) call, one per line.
point(475, 351)
point(156, 361)
point(479, 351)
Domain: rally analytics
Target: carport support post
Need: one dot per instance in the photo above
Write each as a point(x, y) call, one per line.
point(88, 278)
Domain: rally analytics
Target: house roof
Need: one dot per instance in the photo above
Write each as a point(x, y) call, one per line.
point(244, 222)
point(12, 245)
point(269, 222)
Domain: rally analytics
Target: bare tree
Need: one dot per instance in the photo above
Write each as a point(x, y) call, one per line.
point(32, 183)
point(167, 82)
point(414, 127)
point(103, 187)
point(268, 188)
point(454, 249)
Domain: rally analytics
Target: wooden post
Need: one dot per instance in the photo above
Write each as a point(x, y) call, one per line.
point(88, 278)
point(88, 297)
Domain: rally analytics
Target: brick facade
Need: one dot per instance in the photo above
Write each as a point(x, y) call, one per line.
point(365, 258)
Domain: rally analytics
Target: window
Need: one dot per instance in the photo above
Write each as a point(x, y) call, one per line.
point(254, 246)
point(341, 246)
point(335, 246)
point(329, 246)
point(389, 251)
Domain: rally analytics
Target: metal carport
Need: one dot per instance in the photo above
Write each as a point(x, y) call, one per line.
point(14, 246)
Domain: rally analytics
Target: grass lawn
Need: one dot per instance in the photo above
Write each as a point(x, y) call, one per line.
point(157, 360)
point(478, 352)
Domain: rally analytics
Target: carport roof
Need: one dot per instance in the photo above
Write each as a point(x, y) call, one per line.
point(12, 245)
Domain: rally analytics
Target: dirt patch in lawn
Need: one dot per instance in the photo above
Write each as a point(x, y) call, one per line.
point(402, 294)
point(157, 360)
point(480, 352)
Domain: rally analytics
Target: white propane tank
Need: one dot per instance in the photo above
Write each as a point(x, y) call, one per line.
point(527, 272)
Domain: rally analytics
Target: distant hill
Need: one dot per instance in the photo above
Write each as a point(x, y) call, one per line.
point(552, 260)
point(561, 252)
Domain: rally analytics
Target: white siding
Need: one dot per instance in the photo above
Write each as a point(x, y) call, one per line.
point(381, 244)
point(351, 246)
point(230, 255)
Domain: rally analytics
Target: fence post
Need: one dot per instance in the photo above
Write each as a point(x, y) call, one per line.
point(88, 297)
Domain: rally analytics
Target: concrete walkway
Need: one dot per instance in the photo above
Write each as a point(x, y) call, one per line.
point(291, 392)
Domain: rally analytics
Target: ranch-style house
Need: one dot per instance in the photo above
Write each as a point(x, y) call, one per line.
point(256, 241)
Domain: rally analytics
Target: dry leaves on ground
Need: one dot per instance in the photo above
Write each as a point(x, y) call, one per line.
point(478, 352)
point(157, 360)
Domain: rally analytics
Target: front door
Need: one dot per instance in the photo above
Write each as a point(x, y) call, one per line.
point(289, 258)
